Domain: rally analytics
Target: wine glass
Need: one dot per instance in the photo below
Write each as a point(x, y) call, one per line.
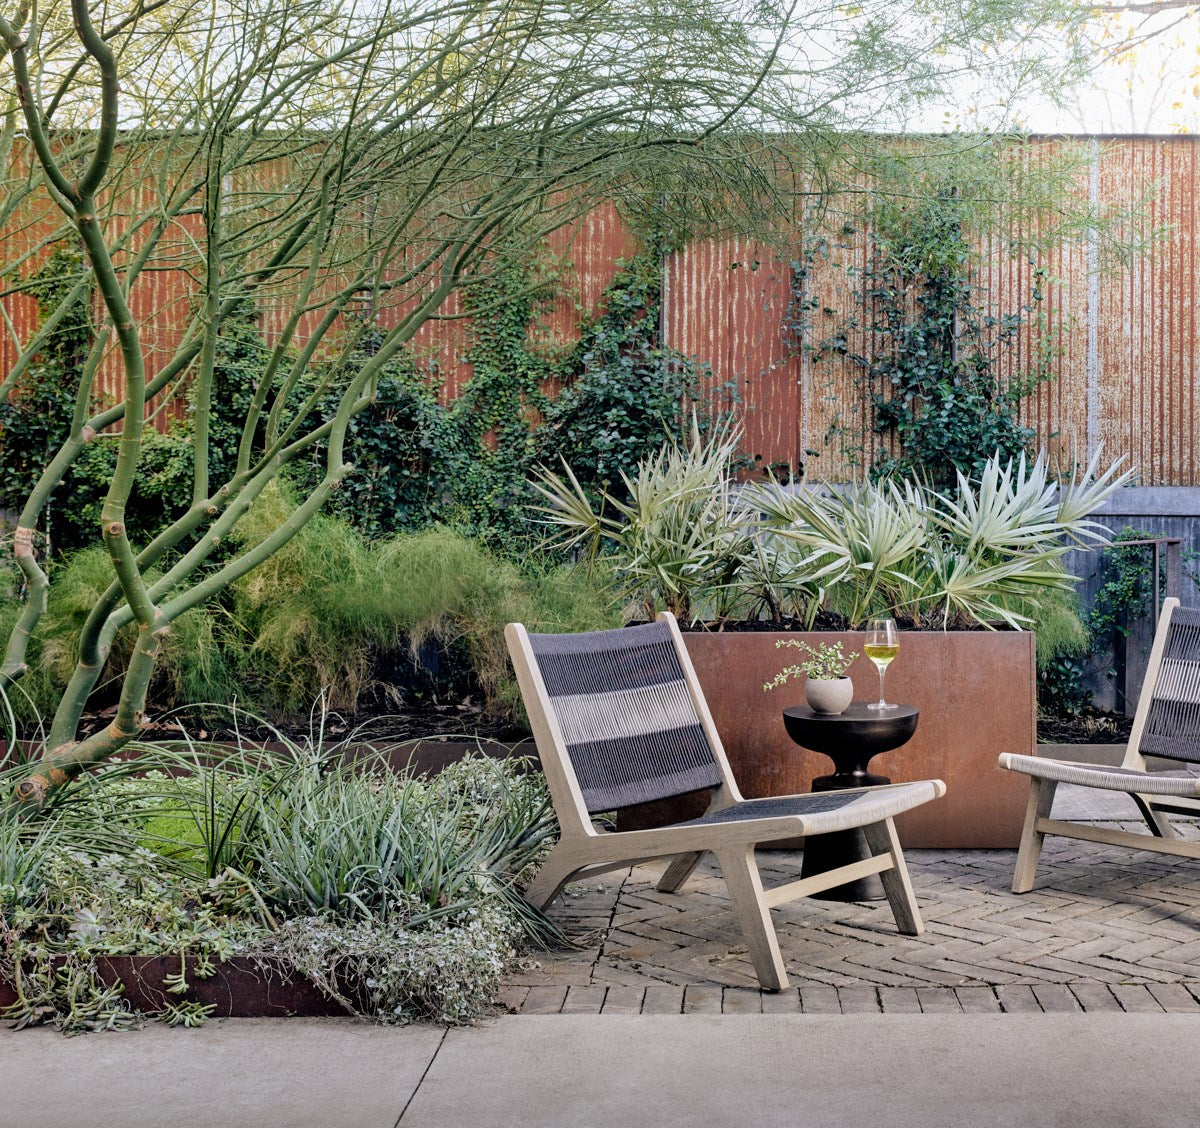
point(882, 645)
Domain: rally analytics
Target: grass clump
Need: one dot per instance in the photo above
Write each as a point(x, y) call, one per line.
point(318, 617)
point(331, 615)
point(195, 665)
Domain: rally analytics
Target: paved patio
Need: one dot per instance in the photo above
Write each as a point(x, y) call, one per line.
point(580, 1071)
point(1105, 930)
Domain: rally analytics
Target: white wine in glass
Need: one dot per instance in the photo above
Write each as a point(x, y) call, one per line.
point(882, 646)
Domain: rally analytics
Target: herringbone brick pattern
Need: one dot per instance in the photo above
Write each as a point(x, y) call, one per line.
point(1106, 929)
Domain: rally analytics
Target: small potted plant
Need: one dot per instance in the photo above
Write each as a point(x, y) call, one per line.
point(828, 689)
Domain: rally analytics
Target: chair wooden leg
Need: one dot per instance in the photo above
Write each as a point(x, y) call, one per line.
point(556, 871)
point(746, 892)
point(882, 839)
point(1160, 826)
point(1041, 799)
point(680, 869)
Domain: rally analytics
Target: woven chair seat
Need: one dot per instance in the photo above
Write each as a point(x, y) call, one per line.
point(828, 811)
point(1184, 785)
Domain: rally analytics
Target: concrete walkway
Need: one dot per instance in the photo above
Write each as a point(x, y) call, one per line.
point(802, 1071)
point(1075, 1005)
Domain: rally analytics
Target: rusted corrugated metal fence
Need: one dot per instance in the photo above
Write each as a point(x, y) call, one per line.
point(1126, 374)
point(1127, 370)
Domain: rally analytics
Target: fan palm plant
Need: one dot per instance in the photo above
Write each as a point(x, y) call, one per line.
point(983, 553)
point(690, 540)
point(677, 542)
point(865, 542)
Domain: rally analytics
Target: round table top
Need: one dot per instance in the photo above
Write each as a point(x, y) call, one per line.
point(876, 730)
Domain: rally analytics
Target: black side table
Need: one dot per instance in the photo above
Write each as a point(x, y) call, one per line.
point(850, 740)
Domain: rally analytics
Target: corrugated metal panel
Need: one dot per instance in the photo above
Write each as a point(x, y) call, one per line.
point(1126, 373)
point(726, 305)
point(1147, 325)
point(590, 251)
point(34, 221)
point(836, 393)
point(1055, 329)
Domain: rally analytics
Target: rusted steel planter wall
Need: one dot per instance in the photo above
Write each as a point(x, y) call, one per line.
point(976, 693)
point(240, 988)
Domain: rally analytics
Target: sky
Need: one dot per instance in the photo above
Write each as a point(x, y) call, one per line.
point(1152, 86)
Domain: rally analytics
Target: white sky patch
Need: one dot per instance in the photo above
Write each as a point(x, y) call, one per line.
point(1146, 80)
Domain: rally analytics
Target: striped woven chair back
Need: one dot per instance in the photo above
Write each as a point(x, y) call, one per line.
point(1173, 721)
point(622, 703)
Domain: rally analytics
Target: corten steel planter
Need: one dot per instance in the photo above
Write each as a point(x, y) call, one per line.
point(977, 694)
point(241, 987)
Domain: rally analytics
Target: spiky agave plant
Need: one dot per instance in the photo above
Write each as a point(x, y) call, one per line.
point(984, 553)
point(676, 543)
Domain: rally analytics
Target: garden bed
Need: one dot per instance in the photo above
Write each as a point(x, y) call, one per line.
point(254, 883)
point(1094, 727)
point(241, 987)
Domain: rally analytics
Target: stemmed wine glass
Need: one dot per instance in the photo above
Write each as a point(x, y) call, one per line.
point(882, 645)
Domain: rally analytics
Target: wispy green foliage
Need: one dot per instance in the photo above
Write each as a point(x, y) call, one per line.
point(196, 663)
point(314, 617)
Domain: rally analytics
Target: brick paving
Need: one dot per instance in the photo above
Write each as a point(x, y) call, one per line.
point(1105, 930)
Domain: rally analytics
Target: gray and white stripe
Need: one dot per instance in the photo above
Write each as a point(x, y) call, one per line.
point(586, 718)
point(627, 717)
point(1173, 720)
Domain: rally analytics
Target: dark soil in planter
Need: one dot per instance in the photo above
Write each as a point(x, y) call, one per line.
point(1093, 727)
point(378, 722)
point(465, 722)
point(433, 694)
point(825, 621)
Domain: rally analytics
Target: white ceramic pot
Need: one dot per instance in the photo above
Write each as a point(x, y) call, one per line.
point(828, 695)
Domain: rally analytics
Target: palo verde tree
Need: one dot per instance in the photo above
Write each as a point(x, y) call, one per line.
point(346, 167)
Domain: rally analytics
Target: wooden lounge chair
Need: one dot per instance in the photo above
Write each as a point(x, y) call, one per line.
point(619, 719)
point(1166, 723)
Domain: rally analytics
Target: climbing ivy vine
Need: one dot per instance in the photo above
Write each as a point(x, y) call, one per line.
point(625, 388)
point(930, 365)
point(600, 403)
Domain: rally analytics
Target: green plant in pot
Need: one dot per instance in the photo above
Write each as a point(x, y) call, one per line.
point(827, 688)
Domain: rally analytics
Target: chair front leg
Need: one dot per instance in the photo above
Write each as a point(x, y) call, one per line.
point(556, 871)
point(882, 839)
point(746, 892)
point(680, 869)
point(1041, 799)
